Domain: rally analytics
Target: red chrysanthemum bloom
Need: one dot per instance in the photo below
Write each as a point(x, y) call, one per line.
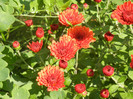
point(90, 73)
point(98, 1)
point(35, 46)
point(54, 27)
point(85, 5)
point(70, 16)
point(124, 13)
point(50, 32)
point(82, 34)
point(63, 64)
point(108, 70)
point(51, 77)
point(104, 93)
point(16, 44)
point(65, 49)
point(131, 64)
point(108, 36)
point(80, 88)
point(39, 32)
point(74, 6)
point(28, 22)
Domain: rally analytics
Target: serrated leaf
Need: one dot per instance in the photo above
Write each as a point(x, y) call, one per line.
point(122, 79)
point(113, 88)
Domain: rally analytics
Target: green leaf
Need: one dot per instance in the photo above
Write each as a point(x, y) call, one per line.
point(46, 97)
point(130, 74)
point(1, 47)
point(126, 95)
point(71, 64)
point(113, 88)
point(67, 81)
point(4, 73)
point(118, 2)
point(3, 64)
point(54, 94)
point(6, 20)
point(20, 93)
point(1, 85)
point(122, 79)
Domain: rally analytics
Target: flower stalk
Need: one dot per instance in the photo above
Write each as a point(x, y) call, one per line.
point(76, 65)
point(116, 22)
point(98, 13)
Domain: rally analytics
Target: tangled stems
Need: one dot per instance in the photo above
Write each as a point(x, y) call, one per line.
point(24, 60)
point(98, 13)
point(76, 65)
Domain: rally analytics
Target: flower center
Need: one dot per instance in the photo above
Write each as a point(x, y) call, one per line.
point(79, 37)
point(52, 79)
point(128, 16)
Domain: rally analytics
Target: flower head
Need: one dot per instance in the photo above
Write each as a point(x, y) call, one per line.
point(98, 1)
point(74, 6)
point(108, 70)
point(70, 16)
point(28, 22)
point(35, 46)
point(131, 64)
point(85, 5)
point(65, 49)
point(51, 77)
point(16, 44)
point(63, 64)
point(54, 27)
point(80, 88)
point(82, 34)
point(104, 93)
point(90, 73)
point(124, 13)
point(39, 32)
point(108, 36)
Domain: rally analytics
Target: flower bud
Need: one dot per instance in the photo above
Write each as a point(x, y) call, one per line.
point(29, 23)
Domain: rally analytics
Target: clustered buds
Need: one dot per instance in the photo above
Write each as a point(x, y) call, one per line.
point(63, 64)
point(104, 93)
point(108, 70)
point(29, 23)
point(108, 36)
point(90, 73)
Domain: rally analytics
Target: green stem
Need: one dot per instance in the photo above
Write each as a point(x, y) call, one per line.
point(20, 21)
point(24, 60)
point(41, 60)
point(98, 13)
point(107, 4)
point(76, 66)
point(118, 27)
point(131, 28)
point(38, 16)
point(75, 96)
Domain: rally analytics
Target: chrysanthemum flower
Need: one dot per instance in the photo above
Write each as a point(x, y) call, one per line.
point(35, 46)
point(28, 23)
point(40, 32)
point(82, 34)
point(70, 16)
point(108, 36)
point(51, 77)
point(108, 70)
point(124, 13)
point(54, 27)
point(16, 44)
point(90, 73)
point(131, 64)
point(65, 49)
point(63, 64)
point(80, 88)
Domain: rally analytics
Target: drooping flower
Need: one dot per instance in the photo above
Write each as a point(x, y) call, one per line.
point(80, 88)
point(124, 13)
point(70, 16)
point(28, 23)
point(51, 77)
point(74, 6)
point(85, 5)
point(16, 45)
point(35, 46)
point(63, 64)
point(108, 36)
point(82, 34)
point(90, 73)
point(65, 49)
point(40, 32)
point(54, 27)
point(98, 1)
point(108, 70)
point(104, 93)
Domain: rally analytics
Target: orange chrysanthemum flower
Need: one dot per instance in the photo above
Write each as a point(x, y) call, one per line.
point(70, 16)
point(82, 34)
point(65, 49)
point(124, 13)
point(51, 77)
